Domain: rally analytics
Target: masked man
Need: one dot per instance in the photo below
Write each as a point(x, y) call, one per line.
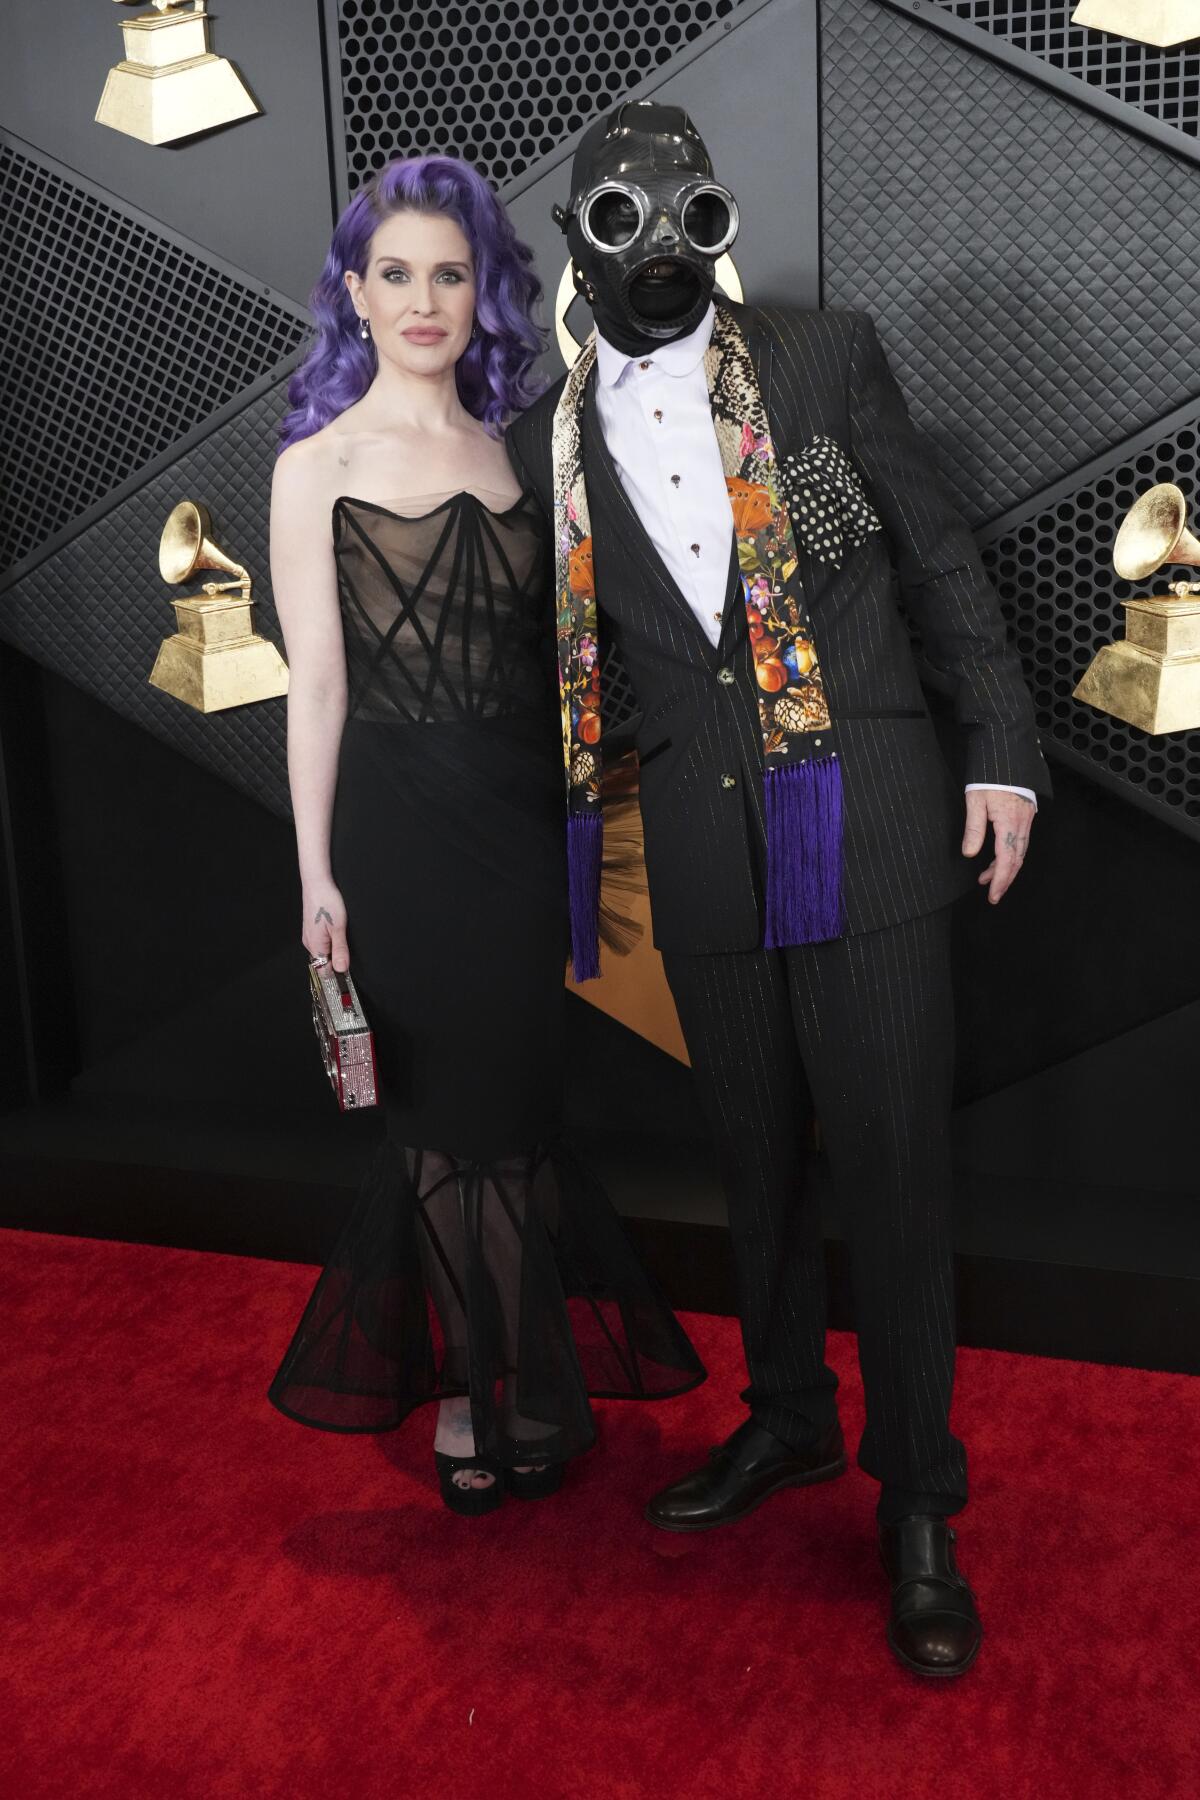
point(730, 488)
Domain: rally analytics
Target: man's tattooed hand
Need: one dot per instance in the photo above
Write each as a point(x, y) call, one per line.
point(323, 913)
point(1011, 817)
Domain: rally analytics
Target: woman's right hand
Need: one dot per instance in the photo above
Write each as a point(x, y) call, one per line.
point(323, 931)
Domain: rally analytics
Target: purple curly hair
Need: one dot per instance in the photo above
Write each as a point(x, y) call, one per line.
point(494, 373)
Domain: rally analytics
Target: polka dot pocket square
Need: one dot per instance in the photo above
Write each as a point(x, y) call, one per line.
point(830, 512)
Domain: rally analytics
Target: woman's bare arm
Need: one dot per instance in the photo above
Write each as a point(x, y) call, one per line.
point(304, 582)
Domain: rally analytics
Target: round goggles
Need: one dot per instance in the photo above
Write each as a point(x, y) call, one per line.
point(614, 216)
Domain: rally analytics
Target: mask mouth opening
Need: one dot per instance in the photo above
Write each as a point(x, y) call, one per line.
point(664, 289)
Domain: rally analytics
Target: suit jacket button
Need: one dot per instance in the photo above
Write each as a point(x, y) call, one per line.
point(728, 781)
point(725, 675)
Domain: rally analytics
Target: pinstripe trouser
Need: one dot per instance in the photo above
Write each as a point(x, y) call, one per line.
point(862, 1029)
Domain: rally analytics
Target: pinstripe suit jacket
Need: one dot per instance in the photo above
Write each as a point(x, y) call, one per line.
point(821, 373)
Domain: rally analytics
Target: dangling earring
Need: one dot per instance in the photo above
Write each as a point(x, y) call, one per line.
point(475, 329)
point(364, 326)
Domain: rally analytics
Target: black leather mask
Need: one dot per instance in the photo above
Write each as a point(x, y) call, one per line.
point(646, 224)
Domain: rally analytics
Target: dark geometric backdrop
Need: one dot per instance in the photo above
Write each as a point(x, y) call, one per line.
point(502, 86)
point(988, 191)
point(1021, 253)
point(119, 338)
point(1010, 197)
point(1162, 83)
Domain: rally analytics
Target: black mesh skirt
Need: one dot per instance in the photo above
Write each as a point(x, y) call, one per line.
point(480, 1258)
point(510, 1281)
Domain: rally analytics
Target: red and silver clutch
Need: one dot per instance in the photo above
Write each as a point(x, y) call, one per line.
point(347, 1044)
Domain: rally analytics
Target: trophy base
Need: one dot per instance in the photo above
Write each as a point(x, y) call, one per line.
point(213, 678)
point(1155, 693)
point(1158, 22)
point(160, 105)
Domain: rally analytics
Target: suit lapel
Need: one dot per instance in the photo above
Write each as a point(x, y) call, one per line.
point(734, 613)
point(793, 421)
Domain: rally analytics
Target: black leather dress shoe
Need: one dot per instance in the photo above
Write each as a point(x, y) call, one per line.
point(934, 1628)
point(740, 1474)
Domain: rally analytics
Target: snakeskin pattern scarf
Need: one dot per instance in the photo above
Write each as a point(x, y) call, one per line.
point(801, 774)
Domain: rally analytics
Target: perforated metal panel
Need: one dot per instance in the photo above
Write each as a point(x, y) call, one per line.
point(1053, 569)
point(1165, 83)
point(1000, 236)
point(118, 342)
point(499, 84)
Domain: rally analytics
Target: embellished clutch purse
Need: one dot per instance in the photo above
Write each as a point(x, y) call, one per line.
point(346, 1040)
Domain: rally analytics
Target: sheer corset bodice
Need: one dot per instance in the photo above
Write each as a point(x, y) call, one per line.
point(445, 613)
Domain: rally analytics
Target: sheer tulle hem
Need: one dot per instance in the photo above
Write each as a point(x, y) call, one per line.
point(509, 1281)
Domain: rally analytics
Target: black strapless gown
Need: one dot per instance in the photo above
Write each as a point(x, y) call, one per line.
point(481, 1258)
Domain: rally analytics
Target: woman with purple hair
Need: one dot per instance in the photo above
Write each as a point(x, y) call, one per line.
point(480, 1267)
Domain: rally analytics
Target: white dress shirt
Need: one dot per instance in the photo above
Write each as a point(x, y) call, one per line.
point(657, 423)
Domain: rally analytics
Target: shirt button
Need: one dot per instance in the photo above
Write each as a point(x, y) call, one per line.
point(644, 365)
point(718, 617)
point(728, 781)
point(725, 675)
point(658, 414)
point(674, 481)
point(695, 549)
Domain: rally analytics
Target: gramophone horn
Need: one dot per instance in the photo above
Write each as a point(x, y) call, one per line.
point(1154, 532)
point(186, 546)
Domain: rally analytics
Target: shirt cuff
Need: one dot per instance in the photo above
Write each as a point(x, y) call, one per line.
point(1001, 787)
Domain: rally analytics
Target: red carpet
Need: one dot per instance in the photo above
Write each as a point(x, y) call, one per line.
point(201, 1598)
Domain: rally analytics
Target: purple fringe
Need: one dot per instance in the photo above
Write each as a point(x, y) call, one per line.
point(804, 853)
point(585, 842)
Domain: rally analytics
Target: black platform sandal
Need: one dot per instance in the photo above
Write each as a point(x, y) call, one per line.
point(535, 1483)
point(469, 1501)
point(545, 1475)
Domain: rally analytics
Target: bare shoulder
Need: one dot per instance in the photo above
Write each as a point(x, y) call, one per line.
point(305, 478)
point(314, 455)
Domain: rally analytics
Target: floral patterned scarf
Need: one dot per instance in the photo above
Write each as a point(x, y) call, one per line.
point(802, 776)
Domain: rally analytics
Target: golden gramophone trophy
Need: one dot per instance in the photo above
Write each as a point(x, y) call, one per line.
point(1152, 678)
point(216, 658)
point(169, 84)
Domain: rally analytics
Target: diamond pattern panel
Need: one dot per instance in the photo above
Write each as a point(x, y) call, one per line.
point(1165, 83)
point(119, 342)
point(501, 85)
point(1003, 240)
point(97, 610)
point(1053, 570)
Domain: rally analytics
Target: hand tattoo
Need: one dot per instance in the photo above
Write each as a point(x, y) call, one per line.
point(1010, 840)
point(321, 913)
